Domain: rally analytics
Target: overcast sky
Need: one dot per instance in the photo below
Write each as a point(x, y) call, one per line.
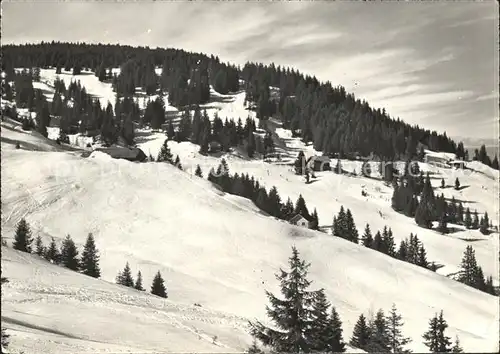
point(432, 64)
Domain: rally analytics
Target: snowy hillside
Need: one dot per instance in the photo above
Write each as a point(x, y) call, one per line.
point(213, 249)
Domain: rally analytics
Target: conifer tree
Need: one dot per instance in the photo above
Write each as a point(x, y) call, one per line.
point(22, 238)
point(396, 339)
point(443, 225)
point(299, 163)
point(198, 171)
point(457, 184)
point(292, 314)
point(367, 239)
point(301, 208)
point(378, 242)
point(484, 224)
point(402, 251)
point(125, 277)
point(138, 282)
point(422, 257)
point(475, 221)
point(442, 183)
point(388, 242)
point(361, 334)
point(69, 254)
point(379, 334)
point(90, 258)
point(335, 342)
point(52, 253)
point(352, 232)
point(158, 288)
point(165, 155)
point(318, 331)
point(468, 267)
point(40, 249)
point(468, 219)
point(456, 346)
point(435, 338)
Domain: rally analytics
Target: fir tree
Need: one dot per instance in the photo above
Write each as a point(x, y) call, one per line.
point(90, 258)
point(377, 242)
point(468, 219)
point(367, 239)
point(475, 221)
point(40, 249)
point(484, 225)
point(379, 334)
point(198, 171)
point(301, 208)
point(125, 277)
point(388, 242)
point(443, 225)
point(291, 315)
point(396, 339)
point(158, 288)
point(138, 282)
point(457, 184)
point(442, 183)
point(22, 238)
point(69, 254)
point(402, 251)
point(165, 155)
point(335, 341)
point(435, 338)
point(52, 253)
point(361, 334)
point(299, 163)
point(422, 257)
point(456, 346)
point(318, 331)
point(352, 232)
point(468, 267)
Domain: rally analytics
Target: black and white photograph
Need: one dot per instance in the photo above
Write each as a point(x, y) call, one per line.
point(253, 177)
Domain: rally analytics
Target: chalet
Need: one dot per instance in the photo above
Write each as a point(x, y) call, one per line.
point(120, 152)
point(299, 220)
point(440, 159)
point(319, 163)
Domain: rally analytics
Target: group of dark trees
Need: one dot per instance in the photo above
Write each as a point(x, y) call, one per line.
point(482, 156)
point(304, 321)
point(333, 120)
point(344, 226)
point(472, 274)
point(415, 197)
point(124, 278)
point(270, 202)
point(185, 76)
point(67, 256)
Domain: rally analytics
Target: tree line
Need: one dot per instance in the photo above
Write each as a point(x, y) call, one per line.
point(414, 196)
point(68, 257)
point(333, 120)
point(304, 321)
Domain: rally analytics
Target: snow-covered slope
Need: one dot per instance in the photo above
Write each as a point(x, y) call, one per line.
point(50, 309)
point(212, 249)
